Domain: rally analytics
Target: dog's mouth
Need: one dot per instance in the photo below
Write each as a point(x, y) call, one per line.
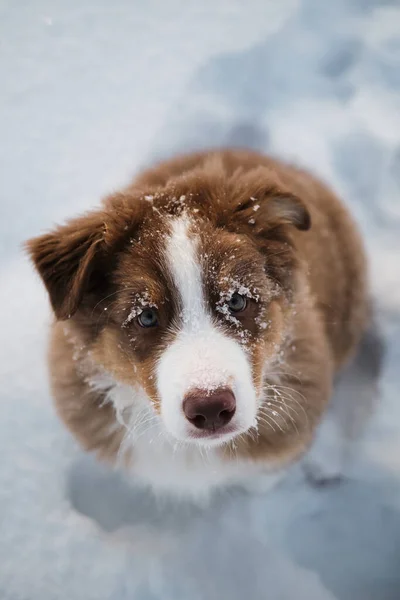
point(229, 431)
point(224, 435)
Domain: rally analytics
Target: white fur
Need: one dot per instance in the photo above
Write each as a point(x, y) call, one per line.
point(201, 356)
point(185, 268)
point(174, 468)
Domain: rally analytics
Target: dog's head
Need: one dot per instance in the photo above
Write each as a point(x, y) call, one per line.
point(182, 288)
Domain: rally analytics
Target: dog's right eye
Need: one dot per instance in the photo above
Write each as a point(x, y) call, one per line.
point(237, 303)
point(148, 318)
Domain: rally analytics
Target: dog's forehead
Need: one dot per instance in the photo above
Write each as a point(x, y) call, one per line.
point(193, 244)
point(201, 258)
point(181, 256)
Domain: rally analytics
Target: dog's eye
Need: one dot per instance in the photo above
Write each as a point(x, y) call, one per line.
point(237, 303)
point(148, 318)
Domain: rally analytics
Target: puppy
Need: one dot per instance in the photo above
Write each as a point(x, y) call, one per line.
point(201, 316)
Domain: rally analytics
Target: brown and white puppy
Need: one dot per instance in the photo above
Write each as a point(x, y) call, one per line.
point(201, 315)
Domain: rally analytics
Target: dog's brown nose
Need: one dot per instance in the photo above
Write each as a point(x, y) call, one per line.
point(209, 411)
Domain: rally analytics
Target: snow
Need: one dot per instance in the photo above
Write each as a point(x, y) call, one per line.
point(140, 302)
point(90, 92)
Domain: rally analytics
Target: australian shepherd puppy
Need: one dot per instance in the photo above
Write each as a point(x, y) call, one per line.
point(201, 315)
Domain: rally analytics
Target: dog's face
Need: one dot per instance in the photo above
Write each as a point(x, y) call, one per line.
point(195, 312)
point(182, 293)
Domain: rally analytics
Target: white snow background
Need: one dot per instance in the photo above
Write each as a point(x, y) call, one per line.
point(90, 91)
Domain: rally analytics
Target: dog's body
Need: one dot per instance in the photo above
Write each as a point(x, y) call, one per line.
point(200, 319)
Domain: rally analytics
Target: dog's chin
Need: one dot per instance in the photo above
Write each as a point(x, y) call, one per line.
point(211, 439)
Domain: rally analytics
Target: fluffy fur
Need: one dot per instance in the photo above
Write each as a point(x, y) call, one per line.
point(181, 240)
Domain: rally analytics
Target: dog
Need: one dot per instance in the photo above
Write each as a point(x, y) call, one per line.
point(201, 316)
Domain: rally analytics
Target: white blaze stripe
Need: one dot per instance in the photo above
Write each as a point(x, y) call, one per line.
point(201, 356)
point(183, 262)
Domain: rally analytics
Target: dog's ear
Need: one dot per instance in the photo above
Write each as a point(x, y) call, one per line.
point(76, 258)
point(269, 209)
point(65, 259)
point(288, 209)
point(271, 215)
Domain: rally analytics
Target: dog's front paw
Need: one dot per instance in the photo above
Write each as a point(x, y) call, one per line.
point(262, 484)
point(321, 474)
point(325, 462)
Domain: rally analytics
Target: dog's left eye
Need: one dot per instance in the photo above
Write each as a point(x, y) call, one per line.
point(237, 303)
point(148, 318)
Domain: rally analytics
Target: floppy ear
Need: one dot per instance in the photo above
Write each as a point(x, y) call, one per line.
point(269, 209)
point(287, 209)
point(65, 260)
point(271, 214)
point(76, 258)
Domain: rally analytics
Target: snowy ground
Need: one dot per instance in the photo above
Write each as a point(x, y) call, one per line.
point(90, 91)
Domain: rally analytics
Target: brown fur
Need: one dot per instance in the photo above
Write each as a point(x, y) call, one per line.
point(300, 235)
